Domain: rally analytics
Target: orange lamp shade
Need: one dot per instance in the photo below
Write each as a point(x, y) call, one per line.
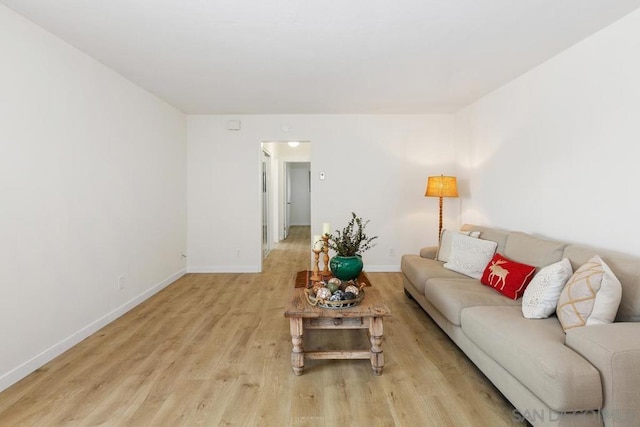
point(441, 186)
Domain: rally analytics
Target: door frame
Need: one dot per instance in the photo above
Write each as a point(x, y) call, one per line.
point(266, 204)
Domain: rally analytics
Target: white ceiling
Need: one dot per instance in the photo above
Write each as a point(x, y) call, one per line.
point(321, 56)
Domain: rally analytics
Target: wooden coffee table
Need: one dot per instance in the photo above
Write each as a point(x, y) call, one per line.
point(369, 314)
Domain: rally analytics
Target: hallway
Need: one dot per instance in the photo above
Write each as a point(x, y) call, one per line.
point(290, 255)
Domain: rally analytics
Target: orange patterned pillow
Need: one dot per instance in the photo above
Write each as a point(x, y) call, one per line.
point(508, 277)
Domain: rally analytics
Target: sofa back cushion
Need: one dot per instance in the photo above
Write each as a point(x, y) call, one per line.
point(488, 233)
point(625, 267)
point(532, 250)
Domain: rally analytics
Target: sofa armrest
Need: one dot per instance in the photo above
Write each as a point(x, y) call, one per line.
point(614, 350)
point(429, 252)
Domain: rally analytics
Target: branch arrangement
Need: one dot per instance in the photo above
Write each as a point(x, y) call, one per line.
point(352, 240)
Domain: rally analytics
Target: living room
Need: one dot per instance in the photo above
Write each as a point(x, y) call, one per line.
point(106, 186)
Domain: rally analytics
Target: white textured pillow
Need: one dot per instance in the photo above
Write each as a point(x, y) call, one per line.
point(444, 250)
point(590, 297)
point(469, 255)
point(540, 298)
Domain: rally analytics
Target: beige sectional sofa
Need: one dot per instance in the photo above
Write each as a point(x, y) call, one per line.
point(588, 376)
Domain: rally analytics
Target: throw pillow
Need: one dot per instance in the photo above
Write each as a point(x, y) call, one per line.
point(444, 250)
point(470, 255)
point(540, 298)
point(508, 277)
point(590, 297)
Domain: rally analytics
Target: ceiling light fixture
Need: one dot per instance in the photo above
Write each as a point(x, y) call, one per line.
point(293, 144)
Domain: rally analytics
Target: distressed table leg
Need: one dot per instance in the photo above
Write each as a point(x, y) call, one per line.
point(375, 336)
point(297, 353)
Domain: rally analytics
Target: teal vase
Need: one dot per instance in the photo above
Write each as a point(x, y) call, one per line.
point(346, 267)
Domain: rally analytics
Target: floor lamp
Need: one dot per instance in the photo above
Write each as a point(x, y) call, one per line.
point(441, 186)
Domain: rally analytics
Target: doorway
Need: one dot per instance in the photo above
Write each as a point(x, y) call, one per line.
point(286, 189)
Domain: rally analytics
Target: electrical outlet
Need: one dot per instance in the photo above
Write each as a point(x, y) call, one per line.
point(121, 282)
point(392, 252)
point(238, 254)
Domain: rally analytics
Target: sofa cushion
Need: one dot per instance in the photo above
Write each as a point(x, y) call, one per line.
point(469, 256)
point(417, 270)
point(451, 296)
point(533, 351)
point(590, 297)
point(540, 299)
point(627, 270)
point(488, 233)
point(508, 277)
point(532, 250)
point(614, 350)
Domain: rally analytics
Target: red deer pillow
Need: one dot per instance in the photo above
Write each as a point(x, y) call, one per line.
point(508, 277)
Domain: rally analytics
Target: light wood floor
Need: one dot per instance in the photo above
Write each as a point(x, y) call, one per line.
point(213, 349)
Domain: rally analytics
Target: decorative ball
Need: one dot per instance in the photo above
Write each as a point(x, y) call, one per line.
point(353, 289)
point(316, 286)
point(333, 286)
point(323, 293)
point(336, 281)
point(349, 295)
point(339, 294)
point(335, 297)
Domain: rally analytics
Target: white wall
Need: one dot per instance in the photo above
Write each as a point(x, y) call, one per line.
point(376, 165)
point(93, 186)
point(556, 151)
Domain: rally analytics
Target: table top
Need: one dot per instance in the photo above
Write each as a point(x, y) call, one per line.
point(371, 306)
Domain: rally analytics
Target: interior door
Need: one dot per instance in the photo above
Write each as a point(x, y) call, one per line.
point(300, 207)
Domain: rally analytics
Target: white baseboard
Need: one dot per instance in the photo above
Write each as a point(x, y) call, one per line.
point(16, 374)
point(223, 269)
